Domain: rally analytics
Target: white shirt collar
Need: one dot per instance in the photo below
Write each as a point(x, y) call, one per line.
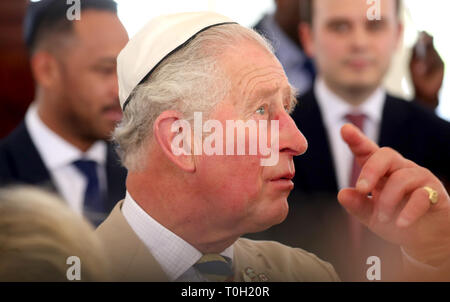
point(174, 254)
point(337, 108)
point(54, 150)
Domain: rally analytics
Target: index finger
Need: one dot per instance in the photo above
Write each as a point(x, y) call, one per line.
point(375, 162)
point(360, 145)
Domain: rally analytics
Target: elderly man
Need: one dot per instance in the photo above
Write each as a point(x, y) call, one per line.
point(184, 214)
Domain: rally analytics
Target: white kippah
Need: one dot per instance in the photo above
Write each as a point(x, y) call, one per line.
point(157, 40)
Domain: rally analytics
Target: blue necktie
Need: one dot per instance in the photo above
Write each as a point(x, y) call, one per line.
point(94, 207)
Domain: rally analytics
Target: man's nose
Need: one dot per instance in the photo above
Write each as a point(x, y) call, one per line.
point(359, 38)
point(292, 140)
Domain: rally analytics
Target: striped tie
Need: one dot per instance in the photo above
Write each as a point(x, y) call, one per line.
point(215, 268)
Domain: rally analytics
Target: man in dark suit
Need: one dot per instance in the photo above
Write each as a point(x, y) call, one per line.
point(352, 55)
point(61, 142)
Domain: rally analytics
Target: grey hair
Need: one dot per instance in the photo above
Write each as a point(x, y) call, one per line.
point(190, 80)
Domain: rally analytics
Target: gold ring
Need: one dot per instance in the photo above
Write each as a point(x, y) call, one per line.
point(432, 195)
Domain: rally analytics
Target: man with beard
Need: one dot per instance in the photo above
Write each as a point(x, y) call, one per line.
point(61, 142)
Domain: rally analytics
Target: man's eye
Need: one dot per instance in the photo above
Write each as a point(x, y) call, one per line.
point(376, 25)
point(339, 27)
point(261, 110)
point(104, 70)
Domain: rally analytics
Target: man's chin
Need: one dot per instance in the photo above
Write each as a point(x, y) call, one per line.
point(277, 216)
point(361, 86)
point(104, 134)
point(361, 81)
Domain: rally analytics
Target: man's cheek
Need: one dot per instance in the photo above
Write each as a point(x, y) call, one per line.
point(243, 171)
point(241, 193)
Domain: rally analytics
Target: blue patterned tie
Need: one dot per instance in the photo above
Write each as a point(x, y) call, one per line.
point(215, 267)
point(94, 207)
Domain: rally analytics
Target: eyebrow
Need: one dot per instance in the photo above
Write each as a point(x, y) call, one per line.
point(293, 95)
point(342, 20)
point(336, 21)
point(381, 21)
point(265, 93)
point(105, 60)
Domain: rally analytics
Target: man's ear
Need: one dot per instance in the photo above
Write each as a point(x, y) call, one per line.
point(174, 137)
point(44, 67)
point(305, 36)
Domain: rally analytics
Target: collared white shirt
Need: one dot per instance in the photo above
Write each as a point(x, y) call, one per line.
point(174, 254)
point(289, 54)
point(333, 110)
point(58, 156)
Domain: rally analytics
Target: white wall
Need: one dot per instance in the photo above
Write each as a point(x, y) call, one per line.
point(135, 13)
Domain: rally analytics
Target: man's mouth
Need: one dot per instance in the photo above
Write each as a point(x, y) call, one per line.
point(283, 181)
point(358, 64)
point(285, 176)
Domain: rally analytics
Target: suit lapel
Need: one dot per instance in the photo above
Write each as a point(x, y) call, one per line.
point(130, 259)
point(29, 167)
point(249, 267)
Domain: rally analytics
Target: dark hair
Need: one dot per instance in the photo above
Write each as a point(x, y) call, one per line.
point(48, 18)
point(306, 10)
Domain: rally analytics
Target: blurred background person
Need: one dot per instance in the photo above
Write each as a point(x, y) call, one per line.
point(427, 71)
point(37, 235)
point(281, 29)
point(352, 55)
point(426, 67)
point(61, 142)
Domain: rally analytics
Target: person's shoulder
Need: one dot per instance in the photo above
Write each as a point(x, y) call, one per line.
point(18, 138)
point(291, 264)
point(307, 106)
point(408, 106)
point(307, 96)
point(9, 146)
point(416, 112)
point(306, 101)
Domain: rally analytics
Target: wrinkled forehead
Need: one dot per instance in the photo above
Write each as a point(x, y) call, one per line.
point(253, 70)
